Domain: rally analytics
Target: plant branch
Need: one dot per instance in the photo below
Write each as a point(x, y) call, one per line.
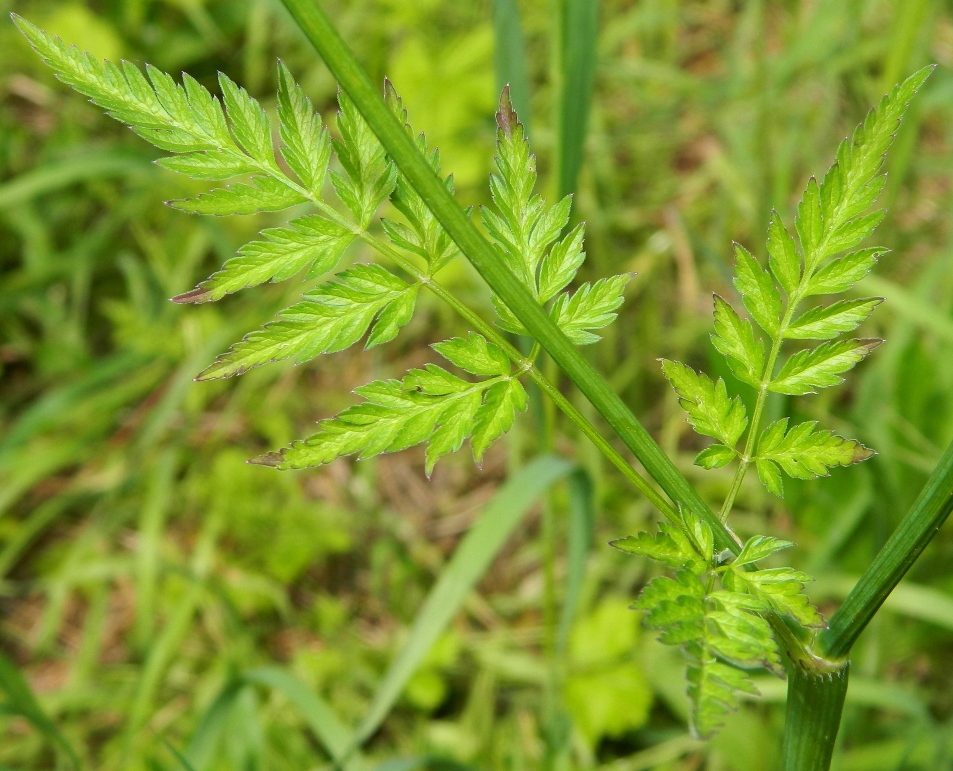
point(355, 82)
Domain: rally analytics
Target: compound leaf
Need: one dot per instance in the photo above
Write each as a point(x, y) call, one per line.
point(783, 259)
point(840, 275)
point(759, 547)
point(820, 367)
point(368, 177)
point(264, 194)
point(710, 410)
point(716, 456)
point(781, 589)
point(501, 404)
point(475, 355)
point(308, 241)
point(331, 318)
point(669, 546)
point(306, 143)
point(250, 124)
point(592, 306)
point(805, 452)
point(826, 322)
point(425, 236)
point(560, 265)
point(758, 293)
point(735, 339)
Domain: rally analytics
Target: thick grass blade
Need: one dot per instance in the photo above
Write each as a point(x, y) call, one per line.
point(327, 728)
point(470, 561)
point(151, 526)
point(509, 57)
point(582, 520)
point(578, 29)
point(205, 740)
point(21, 701)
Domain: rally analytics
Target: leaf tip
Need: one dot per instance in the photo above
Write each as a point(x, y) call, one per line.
point(197, 295)
point(506, 117)
point(270, 459)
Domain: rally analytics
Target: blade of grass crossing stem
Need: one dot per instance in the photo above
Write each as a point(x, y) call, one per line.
point(151, 526)
point(87, 164)
point(577, 24)
point(174, 631)
point(919, 525)
point(205, 741)
point(470, 561)
point(354, 81)
point(327, 728)
point(180, 758)
point(30, 529)
point(582, 520)
point(22, 702)
point(509, 57)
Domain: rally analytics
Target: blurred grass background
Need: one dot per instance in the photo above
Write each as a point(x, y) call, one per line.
point(144, 567)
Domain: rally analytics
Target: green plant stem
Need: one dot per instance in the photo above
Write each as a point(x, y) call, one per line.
point(490, 333)
point(751, 443)
point(400, 146)
point(812, 717)
point(919, 525)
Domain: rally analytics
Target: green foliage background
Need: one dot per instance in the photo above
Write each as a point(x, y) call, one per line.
point(143, 564)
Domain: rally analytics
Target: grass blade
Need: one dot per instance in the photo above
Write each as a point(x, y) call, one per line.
point(205, 740)
point(470, 561)
point(22, 702)
point(582, 520)
point(88, 164)
point(509, 57)
point(578, 29)
point(333, 735)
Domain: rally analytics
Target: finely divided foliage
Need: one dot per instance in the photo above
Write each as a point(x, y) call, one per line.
point(723, 631)
point(230, 140)
point(831, 219)
point(719, 609)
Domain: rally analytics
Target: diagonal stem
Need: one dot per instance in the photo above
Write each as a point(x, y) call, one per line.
point(355, 82)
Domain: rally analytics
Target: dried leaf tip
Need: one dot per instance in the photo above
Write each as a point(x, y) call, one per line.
point(506, 117)
point(193, 296)
point(272, 459)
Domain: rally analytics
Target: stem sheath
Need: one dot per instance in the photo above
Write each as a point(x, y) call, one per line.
point(814, 706)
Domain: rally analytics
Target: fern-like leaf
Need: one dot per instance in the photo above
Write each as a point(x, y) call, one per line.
point(528, 236)
point(429, 405)
point(330, 318)
point(423, 235)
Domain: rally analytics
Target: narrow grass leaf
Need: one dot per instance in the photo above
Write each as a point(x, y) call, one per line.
point(509, 56)
point(21, 701)
point(470, 561)
point(326, 726)
point(579, 30)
